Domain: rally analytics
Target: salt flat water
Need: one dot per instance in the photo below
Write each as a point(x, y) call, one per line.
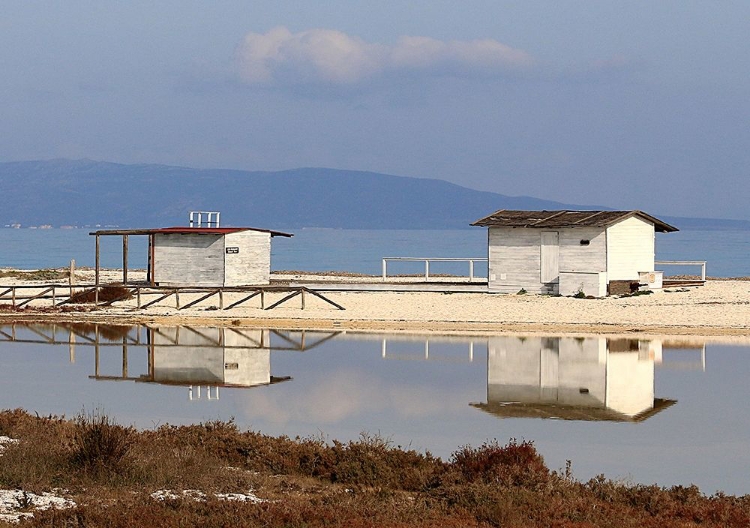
point(684, 421)
point(656, 410)
point(314, 249)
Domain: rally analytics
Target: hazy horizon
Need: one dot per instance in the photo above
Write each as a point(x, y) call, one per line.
point(636, 106)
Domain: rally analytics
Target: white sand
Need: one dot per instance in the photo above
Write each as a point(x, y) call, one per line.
point(717, 308)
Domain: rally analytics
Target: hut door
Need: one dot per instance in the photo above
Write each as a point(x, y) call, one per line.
point(550, 256)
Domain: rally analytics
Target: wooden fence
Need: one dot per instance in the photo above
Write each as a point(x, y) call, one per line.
point(19, 296)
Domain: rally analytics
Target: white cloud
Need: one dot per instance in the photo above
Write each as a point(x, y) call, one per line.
point(333, 57)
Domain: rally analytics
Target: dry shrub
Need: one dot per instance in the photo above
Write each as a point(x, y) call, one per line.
point(353, 510)
point(158, 466)
point(515, 464)
point(310, 483)
point(373, 461)
point(110, 332)
point(369, 461)
point(39, 460)
point(100, 446)
point(679, 505)
point(106, 294)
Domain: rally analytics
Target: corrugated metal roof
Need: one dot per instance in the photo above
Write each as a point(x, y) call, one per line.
point(563, 219)
point(188, 231)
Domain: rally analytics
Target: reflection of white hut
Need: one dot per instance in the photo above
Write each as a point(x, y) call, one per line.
point(566, 252)
point(211, 357)
point(572, 378)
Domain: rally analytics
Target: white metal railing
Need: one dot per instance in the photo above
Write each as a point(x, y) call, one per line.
point(701, 263)
point(426, 353)
point(213, 219)
point(427, 261)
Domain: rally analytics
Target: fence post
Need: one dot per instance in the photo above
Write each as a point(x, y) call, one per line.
point(471, 270)
point(385, 268)
point(426, 269)
point(72, 276)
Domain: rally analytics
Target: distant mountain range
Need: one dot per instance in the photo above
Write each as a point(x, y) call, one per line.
point(89, 193)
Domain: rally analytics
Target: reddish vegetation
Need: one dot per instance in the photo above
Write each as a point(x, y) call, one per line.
point(106, 294)
point(110, 472)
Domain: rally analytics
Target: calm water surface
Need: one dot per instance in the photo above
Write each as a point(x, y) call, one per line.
point(663, 411)
point(359, 250)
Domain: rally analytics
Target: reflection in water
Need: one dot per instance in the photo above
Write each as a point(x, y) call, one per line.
point(570, 378)
point(208, 357)
point(413, 390)
point(573, 378)
point(196, 358)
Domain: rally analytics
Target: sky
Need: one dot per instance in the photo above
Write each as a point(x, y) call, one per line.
point(631, 105)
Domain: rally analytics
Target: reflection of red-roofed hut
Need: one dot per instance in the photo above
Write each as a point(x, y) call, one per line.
point(202, 256)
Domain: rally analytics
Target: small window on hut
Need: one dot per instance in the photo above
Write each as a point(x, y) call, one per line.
point(585, 242)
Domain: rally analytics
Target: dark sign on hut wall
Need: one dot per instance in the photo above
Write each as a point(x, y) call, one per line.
point(233, 249)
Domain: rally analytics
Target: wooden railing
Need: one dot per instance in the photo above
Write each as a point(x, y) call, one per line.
point(60, 294)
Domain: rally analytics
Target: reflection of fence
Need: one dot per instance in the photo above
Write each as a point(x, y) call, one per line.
point(105, 335)
point(425, 353)
point(427, 261)
point(682, 363)
point(194, 393)
point(701, 263)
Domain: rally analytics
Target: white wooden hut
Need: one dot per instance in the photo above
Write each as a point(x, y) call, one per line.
point(212, 256)
point(568, 252)
point(203, 256)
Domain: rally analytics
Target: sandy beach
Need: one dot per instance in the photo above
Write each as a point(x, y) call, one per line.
point(720, 307)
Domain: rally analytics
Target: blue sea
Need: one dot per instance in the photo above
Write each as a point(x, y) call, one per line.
point(314, 249)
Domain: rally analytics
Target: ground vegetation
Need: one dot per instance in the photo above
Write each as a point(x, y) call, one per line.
point(215, 474)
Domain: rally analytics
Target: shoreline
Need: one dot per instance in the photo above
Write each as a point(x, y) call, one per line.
point(715, 334)
point(720, 308)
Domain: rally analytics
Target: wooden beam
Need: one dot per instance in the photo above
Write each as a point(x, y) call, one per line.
point(151, 266)
point(154, 331)
point(193, 303)
point(124, 259)
point(159, 299)
point(244, 299)
point(204, 336)
point(82, 292)
point(320, 296)
point(38, 295)
point(285, 299)
point(96, 276)
point(120, 298)
point(253, 342)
